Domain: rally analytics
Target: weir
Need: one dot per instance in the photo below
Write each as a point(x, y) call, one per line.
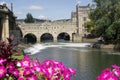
point(33, 49)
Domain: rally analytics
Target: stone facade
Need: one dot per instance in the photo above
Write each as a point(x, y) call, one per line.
point(74, 27)
point(7, 22)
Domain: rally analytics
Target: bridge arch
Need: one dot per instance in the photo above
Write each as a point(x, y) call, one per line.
point(63, 36)
point(46, 37)
point(30, 38)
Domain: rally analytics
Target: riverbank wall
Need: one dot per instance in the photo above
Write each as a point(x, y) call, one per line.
point(102, 46)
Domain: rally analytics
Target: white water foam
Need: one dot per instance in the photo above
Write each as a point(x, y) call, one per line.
point(38, 47)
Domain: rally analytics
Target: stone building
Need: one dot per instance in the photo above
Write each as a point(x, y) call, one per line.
point(7, 22)
point(67, 29)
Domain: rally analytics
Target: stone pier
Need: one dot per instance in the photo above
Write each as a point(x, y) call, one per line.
point(7, 22)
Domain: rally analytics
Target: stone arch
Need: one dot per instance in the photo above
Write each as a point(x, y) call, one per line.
point(30, 38)
point(63, 37)
point(46, 37)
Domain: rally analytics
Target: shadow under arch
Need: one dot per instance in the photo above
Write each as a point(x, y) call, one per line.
point(46, 37)
point(30, 38)
point(62, 37)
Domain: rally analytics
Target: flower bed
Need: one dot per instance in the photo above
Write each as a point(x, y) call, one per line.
point(27, 69)
point(110, 73)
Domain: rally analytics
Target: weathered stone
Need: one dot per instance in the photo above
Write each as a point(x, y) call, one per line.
point(7, 22)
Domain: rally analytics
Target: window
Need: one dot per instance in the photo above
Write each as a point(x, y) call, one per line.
point(84, 18)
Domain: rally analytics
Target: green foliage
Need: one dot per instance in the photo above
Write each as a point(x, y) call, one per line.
point(106, 17)
point(90, 26)
point(29, 18)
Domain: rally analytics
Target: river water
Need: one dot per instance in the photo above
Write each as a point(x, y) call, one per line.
point(88, 62)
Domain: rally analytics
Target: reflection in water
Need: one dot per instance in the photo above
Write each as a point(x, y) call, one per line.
point(88, 62)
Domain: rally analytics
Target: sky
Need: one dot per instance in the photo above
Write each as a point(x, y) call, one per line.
point(45, 9)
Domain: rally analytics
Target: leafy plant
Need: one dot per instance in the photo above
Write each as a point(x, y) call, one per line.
point(27, 69)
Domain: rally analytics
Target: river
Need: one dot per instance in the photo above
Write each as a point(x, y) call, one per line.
point(87, 61)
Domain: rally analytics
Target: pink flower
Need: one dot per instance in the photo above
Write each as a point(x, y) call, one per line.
point(15, 72)
point(35, 63)
point(2, 61)
point(66, 74)
point(109, 74)
point(20, 78)
point(111, 77)
point(47, 63)
point(72, 71)
point(115, 66)
point(50, 72)
point(104, 75)
point(25, 63)
point(33, 77)
point(11, 67)
point(57, 69)
point(2, 71)
point(38, 68)
point(116, 72)
point(28, 72)
point(26, 57)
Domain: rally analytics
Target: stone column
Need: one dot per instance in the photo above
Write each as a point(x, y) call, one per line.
point(54, 38)
point(38, 39)
point(71, 38)
point(7, 26)
point(5, 31)
point(2, 25)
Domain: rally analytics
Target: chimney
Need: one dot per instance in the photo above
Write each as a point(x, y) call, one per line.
point(12, 7)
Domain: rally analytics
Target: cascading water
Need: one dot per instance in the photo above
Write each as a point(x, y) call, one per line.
point(38, 47)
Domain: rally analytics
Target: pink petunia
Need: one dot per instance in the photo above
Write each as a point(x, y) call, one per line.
point(20, 78)
point(27, 57)
point(15, 73)
point(72, 71)
point(11, 66)
point(38, 68)
point(2, 61)
point(28, 72)
point(33, 77)
point(25, 63)
point(111, 77)
point(2, 71)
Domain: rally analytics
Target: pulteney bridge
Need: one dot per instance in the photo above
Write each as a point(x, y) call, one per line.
point(50, 31)
point(68, 30)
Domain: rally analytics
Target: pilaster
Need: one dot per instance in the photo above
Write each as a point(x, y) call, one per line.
point(5, 31)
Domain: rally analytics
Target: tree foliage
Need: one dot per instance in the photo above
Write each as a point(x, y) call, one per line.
point(89, 26)
point(106, 17)
point(29, 18)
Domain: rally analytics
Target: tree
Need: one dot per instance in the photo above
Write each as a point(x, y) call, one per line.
point(89, 26)
point(29, 18)
point(106, 17)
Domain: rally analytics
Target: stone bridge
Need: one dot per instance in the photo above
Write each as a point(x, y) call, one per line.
point(50, 31)
point(67, 30)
